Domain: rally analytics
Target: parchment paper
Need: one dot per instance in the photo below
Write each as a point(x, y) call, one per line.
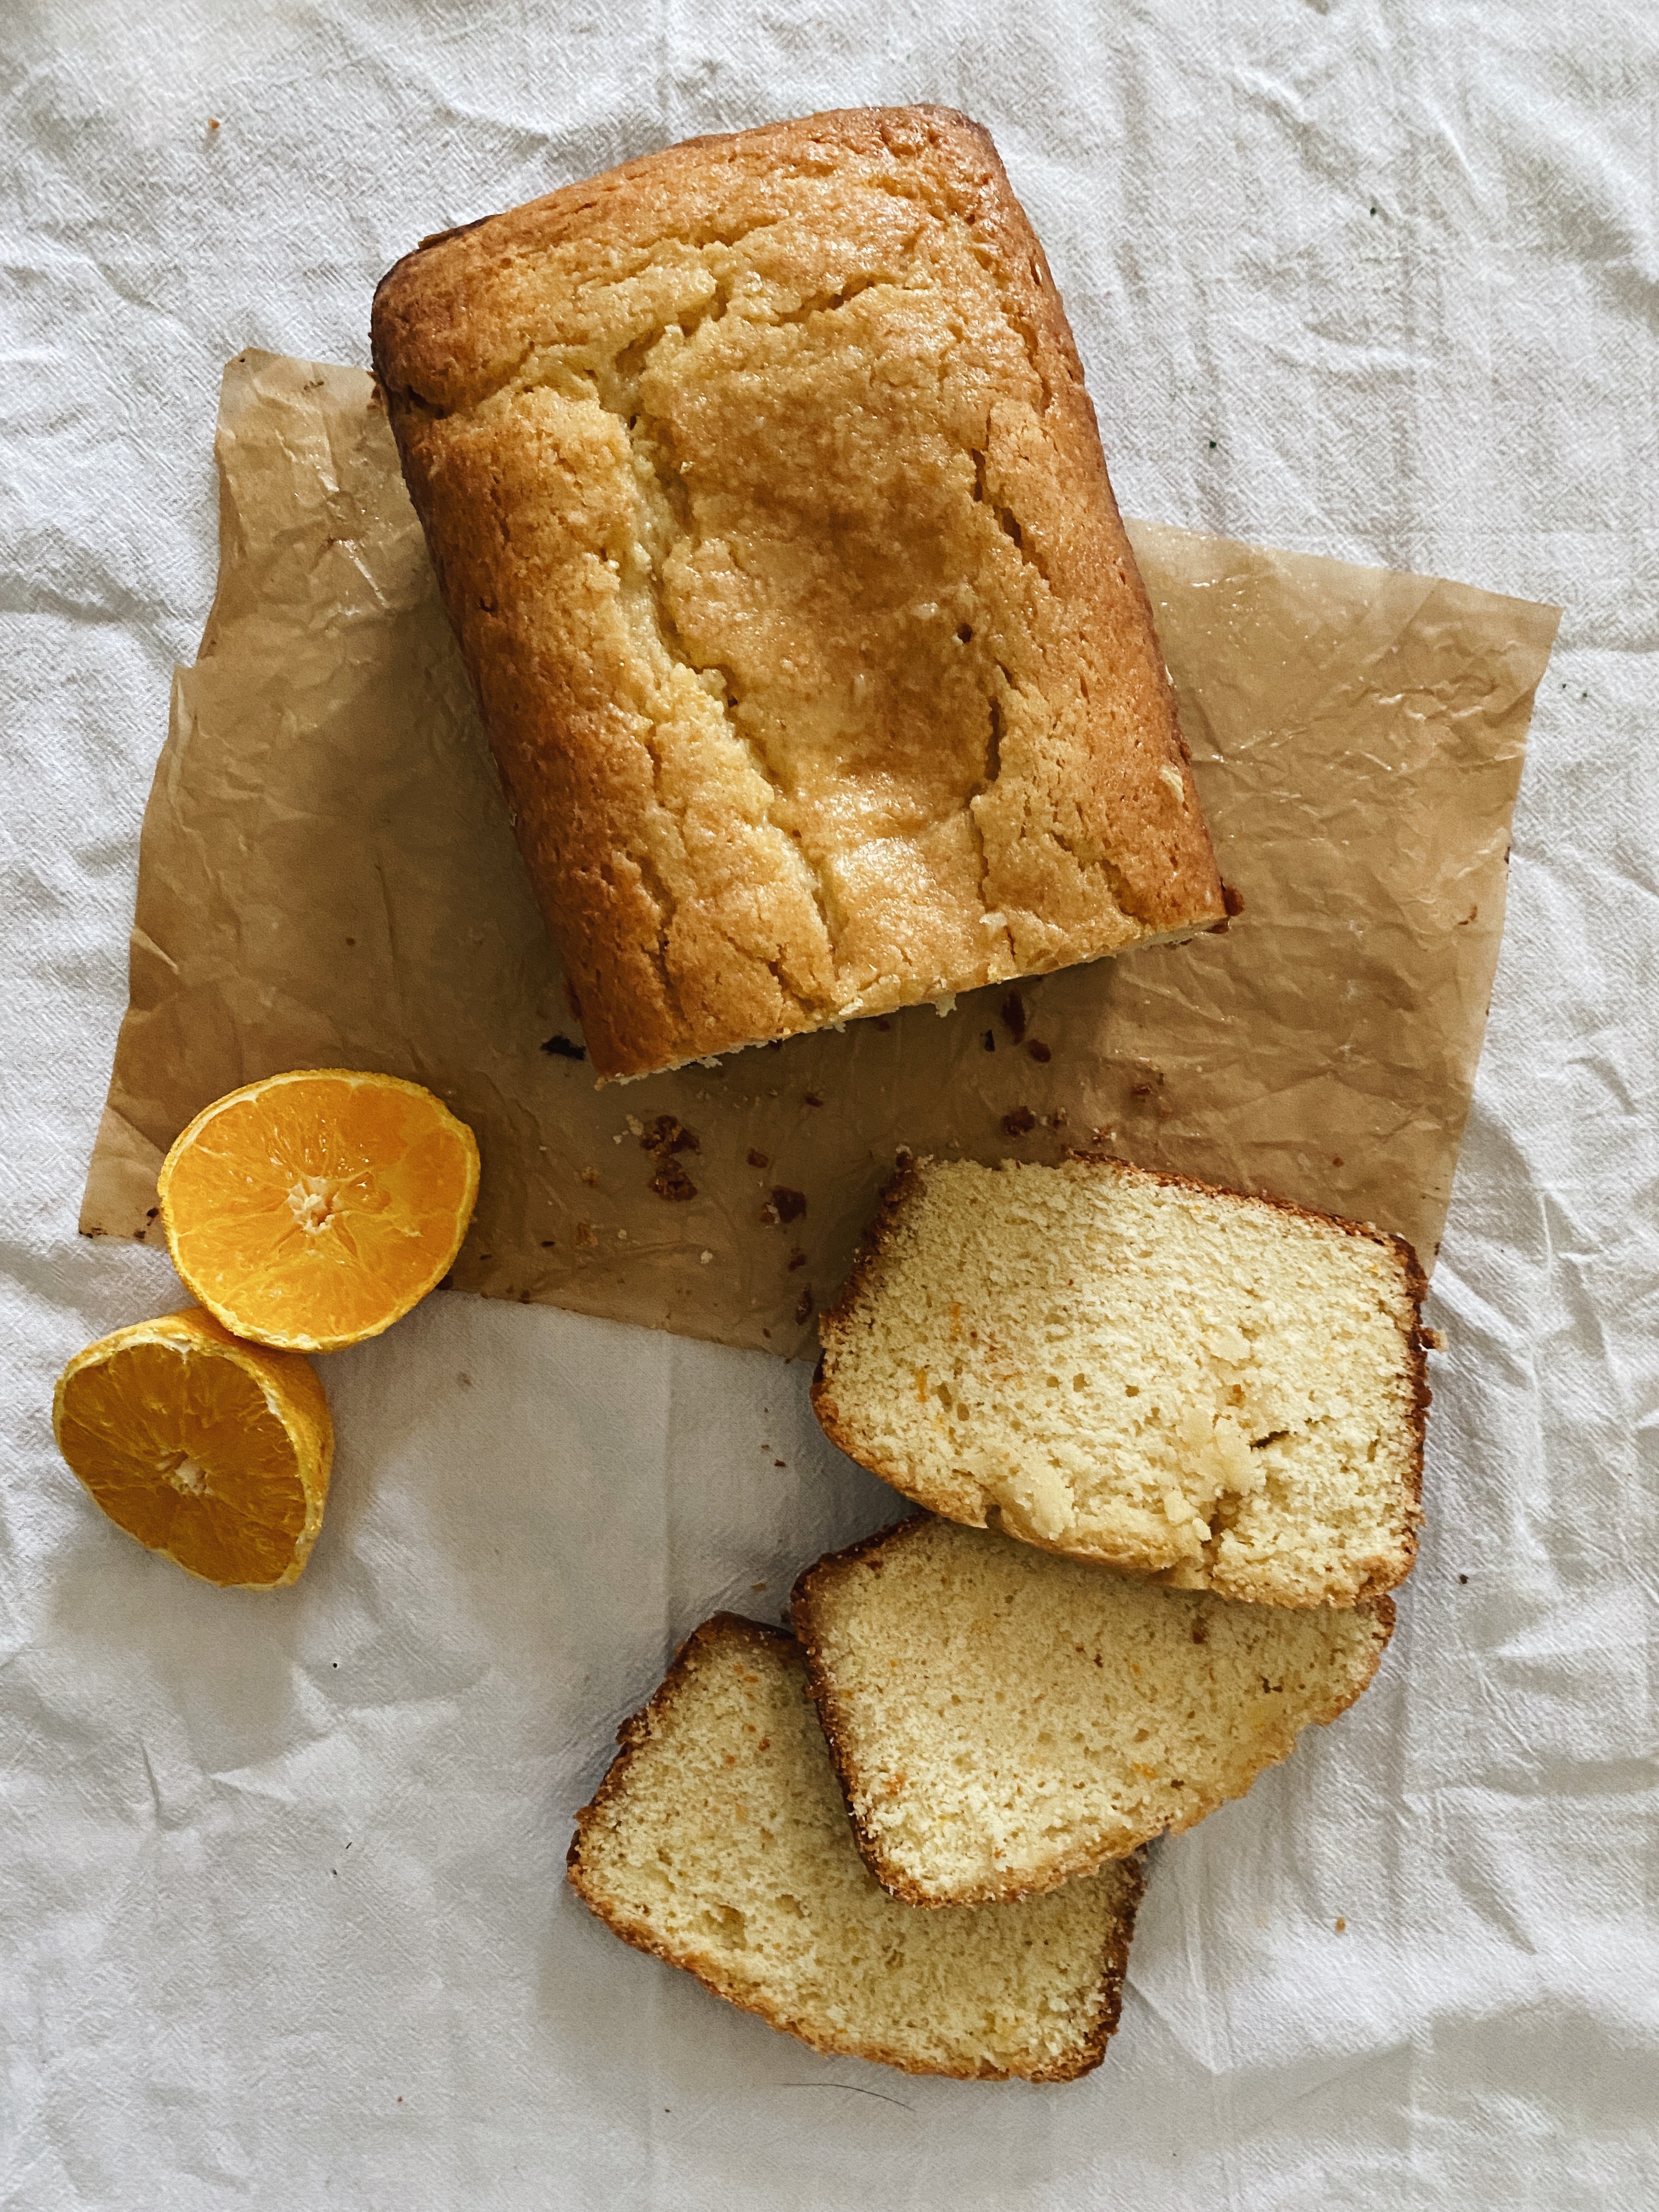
point(327, 877)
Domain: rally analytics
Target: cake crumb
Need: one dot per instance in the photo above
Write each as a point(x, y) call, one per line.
point(666, 1136)
point(670, 1181)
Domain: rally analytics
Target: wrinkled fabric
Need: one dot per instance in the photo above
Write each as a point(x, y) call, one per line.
point(280, 1875)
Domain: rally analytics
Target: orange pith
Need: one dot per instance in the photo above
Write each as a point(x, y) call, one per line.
point(213, 1452)
point(313, 1210)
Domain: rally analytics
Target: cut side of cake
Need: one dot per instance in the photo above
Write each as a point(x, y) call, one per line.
point(718, 1841)
point(770, 513)
point(1003, 1721)
point(1138, 1368)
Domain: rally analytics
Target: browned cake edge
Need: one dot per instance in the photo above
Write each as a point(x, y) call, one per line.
point(626, 1033)
point(730, 1630)
point(819, 1580)
point(901, 1191)
point(407, 353)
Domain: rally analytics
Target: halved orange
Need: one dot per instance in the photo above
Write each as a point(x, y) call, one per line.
point(311, 1210)
point(213, 1452)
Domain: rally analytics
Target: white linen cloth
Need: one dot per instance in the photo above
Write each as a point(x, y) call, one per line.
point(280, 1876)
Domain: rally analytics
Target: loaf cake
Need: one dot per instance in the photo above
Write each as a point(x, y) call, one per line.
point(718, 1841)
point(770, 510)
point(1138, 1368)
point(1003, 1721)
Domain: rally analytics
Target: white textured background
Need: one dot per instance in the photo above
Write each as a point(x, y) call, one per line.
point(280, 1920)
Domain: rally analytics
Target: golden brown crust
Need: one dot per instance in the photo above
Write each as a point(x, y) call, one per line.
point(729, 1629)
point(895, 1196)
point(806, 725)
point(871, 1554)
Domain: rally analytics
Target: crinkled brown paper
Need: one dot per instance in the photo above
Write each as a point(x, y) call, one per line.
point(327, 877)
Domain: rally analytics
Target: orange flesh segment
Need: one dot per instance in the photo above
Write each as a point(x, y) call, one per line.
point(182, 1449)
point(318, 1211)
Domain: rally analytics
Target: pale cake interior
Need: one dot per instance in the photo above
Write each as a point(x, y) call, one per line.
point(1003, 1720)
point(1142, 1371)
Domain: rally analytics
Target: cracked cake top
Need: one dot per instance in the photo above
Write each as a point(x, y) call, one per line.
point(770, 513)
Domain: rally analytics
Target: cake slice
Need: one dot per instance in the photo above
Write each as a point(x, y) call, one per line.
point(770, 513)
point(718, 1841)
point(1003, 1721)
point(1141, 1370)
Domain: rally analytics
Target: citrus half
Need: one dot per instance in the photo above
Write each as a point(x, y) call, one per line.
point(213, 1452)
point(311, 1210)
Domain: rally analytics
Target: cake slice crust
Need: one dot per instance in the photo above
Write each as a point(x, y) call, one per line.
point(1141, 1370)
point(1003, 1721)
point(719, 1841)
